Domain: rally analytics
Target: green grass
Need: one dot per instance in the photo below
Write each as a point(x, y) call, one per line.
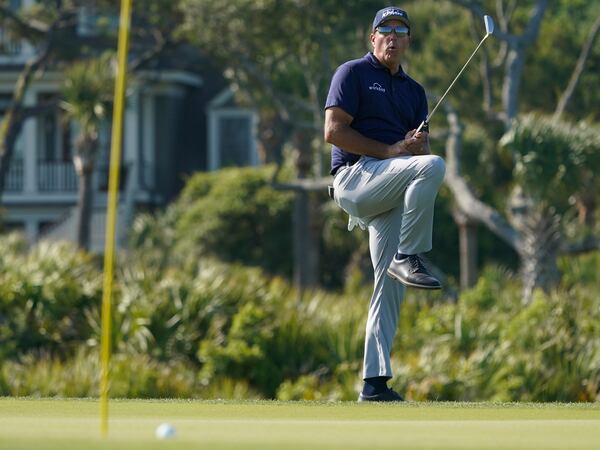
point(74, 424)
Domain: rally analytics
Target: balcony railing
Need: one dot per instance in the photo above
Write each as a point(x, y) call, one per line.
point(56, 176)
point(60, 177)
point(15, 176)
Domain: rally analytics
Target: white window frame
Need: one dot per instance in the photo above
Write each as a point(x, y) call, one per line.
point(216, 112)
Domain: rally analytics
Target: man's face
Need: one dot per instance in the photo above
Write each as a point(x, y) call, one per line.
point(389, 48)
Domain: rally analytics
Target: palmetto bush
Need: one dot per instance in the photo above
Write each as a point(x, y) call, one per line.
point(553, 160)
point(489, 346)
point(133, 376)
point(211, 329)
point(234, 322)
point(278, 338)
point(45, 294)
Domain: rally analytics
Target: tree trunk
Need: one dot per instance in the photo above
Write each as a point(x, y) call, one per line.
point(273, 133)
point(515, 61)
point(586, 207)
point(566, 96)
point(539, 254)
point(84, 162)
point(539, 227)
point(306, 239)
point(84, 210)
point(467, 234)
point(306, 226)
point(6, 155)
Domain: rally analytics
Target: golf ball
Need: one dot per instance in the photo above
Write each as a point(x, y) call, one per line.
point(165, 431)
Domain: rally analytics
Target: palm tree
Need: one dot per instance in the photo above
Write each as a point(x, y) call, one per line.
point(554, 165)
point(86, 94)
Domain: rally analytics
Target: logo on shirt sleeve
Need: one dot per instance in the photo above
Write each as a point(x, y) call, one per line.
point(376, 87)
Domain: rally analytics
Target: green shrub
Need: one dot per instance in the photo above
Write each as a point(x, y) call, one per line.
point(209, 329)
point(132, 376)
point(45, 295)
point(236, 215)
point(342, 386)
point(41, 375)
point(272, 336)
point(545, 354)
point(488, 346)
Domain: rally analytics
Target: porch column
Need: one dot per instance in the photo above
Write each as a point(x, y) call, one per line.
point(29, 136)
point(131, 142)
point(31, 230)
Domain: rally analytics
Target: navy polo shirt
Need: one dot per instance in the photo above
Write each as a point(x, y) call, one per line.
point(384, 106)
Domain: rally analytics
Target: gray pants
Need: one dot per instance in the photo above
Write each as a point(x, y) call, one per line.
point(395, 199)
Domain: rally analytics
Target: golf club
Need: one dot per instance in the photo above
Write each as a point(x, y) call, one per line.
point(489, 29)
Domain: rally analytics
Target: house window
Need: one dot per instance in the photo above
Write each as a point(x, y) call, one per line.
point(86, 23)
point(232, 140)
point(231, 133)
point(8, 45)
point(54, 134)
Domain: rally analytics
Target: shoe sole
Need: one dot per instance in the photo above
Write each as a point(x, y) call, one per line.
point(362, 399)
point(409, 284)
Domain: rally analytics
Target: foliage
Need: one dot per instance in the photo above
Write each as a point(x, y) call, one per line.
point(322, 36)
point(563, 30)
point(490, 346)
point(553, 160)
point(45, 294)
point(86, 92)
point(236, 215)
point(213, 330)
point(285, 53)
point(342, 253)
point(133, 376)
point(312, 29)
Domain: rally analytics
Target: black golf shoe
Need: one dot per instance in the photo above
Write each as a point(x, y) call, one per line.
point(410, 271)
point(388, 395)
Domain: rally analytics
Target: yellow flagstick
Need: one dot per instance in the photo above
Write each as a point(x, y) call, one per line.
point(113, 183)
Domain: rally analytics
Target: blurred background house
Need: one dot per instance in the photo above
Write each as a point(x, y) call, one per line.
point(180, 117)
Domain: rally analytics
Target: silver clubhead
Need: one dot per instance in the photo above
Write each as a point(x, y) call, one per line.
point(489, 24)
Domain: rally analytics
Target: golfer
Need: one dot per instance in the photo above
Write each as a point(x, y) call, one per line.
point(386, 179)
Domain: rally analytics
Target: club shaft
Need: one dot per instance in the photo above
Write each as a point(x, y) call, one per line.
point(451, 84)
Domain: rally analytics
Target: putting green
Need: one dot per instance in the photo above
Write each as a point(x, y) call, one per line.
point(74, 424)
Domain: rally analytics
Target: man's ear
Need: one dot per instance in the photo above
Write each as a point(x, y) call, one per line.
point(372, 39)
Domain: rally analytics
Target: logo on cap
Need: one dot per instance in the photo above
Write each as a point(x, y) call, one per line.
point(393, 12)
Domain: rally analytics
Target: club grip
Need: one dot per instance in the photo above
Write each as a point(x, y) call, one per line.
point(423, 127)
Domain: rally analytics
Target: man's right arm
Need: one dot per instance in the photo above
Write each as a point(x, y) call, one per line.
point(339, 133)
